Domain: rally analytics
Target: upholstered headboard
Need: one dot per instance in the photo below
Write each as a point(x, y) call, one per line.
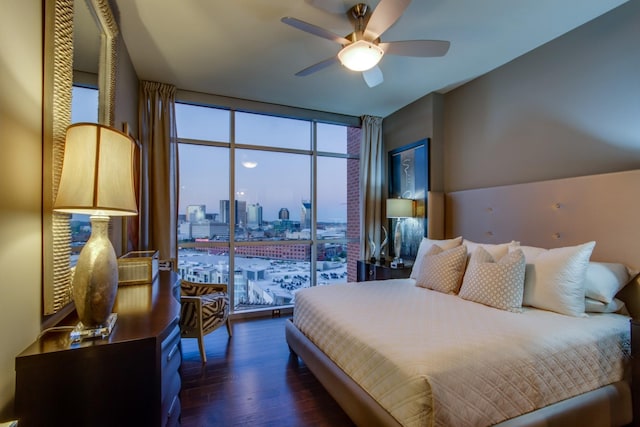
point(563, 212)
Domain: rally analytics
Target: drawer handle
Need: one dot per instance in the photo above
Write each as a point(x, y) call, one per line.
point(172, 353)
point(172, 407)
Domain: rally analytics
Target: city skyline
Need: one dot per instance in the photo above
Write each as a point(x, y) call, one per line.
point(199, 212)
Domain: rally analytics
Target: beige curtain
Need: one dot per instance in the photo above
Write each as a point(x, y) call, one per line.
point(371, 170)
point(158, 136)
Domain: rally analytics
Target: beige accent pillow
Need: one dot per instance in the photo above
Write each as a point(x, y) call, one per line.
point(496, 284)
point(497, 250)
point(442, 270)
point(554, 278)
point(424, 247)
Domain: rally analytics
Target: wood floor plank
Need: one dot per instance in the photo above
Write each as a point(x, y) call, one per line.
point(252, 380)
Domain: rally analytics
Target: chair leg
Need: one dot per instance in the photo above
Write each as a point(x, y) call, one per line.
point(229, 327)
point(203, 354)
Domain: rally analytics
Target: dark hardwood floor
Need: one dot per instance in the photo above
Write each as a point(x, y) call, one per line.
point(252, 380)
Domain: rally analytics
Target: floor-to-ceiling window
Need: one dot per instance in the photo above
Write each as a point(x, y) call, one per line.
point(267, 204)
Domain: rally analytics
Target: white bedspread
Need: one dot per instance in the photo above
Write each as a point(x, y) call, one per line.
point(433, 359)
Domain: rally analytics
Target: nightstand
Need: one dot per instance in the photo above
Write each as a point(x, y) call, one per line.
point(375, 271)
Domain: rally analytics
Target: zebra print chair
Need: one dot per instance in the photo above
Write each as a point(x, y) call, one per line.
point(204, 308)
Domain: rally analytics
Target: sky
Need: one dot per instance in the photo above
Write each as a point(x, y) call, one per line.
point(276, 180)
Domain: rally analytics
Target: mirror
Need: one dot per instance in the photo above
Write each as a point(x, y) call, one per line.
point(58, 81)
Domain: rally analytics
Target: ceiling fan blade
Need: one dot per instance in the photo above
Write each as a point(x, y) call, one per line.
point(317, 67)
point(420, 48)
point(384, 16)
point(314, 29)
point(373, 77)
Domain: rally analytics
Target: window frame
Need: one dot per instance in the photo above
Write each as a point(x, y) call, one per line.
point(313, 154)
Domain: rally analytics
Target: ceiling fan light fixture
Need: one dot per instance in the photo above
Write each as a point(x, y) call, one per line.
point(360, 56)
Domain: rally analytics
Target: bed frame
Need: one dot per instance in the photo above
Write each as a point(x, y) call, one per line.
point(549, 214)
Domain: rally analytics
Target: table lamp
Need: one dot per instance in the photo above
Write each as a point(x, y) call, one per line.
point(398, 209)
point(97, 180)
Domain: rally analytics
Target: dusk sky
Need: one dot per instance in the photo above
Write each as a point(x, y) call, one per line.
point(278, 180)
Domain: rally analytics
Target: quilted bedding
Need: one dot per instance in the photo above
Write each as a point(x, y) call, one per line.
point(434, 359)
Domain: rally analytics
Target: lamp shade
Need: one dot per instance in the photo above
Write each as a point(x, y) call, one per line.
point(361, 55)
point(97, 172)
point(399, 208)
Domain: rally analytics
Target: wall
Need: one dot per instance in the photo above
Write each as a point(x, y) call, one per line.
point(126, 111)
point(20, 186)
point(418, 120)
point(568, 108)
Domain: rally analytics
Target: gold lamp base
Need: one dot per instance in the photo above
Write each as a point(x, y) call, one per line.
point(95, 281)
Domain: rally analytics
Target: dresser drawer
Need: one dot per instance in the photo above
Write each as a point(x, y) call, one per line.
point(170, 354)
point(170, 363)
point(173, 413)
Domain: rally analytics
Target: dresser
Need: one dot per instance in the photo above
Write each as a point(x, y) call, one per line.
point(376, 271)
point(130, 378)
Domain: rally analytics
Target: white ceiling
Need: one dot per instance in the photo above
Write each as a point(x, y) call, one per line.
point(239, 48)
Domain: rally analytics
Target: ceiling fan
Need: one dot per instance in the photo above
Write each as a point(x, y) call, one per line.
point(362, 49)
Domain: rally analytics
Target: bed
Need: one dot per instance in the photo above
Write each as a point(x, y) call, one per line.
point(515, 367)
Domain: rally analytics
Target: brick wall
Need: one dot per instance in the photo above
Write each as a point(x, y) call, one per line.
point(353, 202)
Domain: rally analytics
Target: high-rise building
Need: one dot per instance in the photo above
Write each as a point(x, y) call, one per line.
point(254, 215)
point(196, 213)
point(283, 214)
point(241, 212)
point(305, 215)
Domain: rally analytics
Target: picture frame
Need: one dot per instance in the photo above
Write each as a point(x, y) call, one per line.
point(409, 178)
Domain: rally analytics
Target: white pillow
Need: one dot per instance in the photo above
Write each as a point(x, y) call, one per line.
point(595, 306)
point(604, 279)
point(497, 250)
point(554, 278)
point(442, 270)
point(424, 247)
point(496, 284)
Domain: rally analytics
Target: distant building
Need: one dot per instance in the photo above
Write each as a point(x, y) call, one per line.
point(279, 226)
point(184, 231)
point(254, 216)
point(283, 214)
point(196, 213)
point(241, 212)
point(209, 230)
point(305, 215)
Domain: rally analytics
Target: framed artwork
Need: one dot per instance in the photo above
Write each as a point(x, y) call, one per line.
point(409, 179)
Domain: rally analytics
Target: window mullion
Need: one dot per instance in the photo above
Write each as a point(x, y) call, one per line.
point(314, 204)
point(232, 208)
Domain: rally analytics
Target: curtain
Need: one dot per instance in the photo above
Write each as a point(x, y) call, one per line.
point(158, 135)
point(371, 170)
